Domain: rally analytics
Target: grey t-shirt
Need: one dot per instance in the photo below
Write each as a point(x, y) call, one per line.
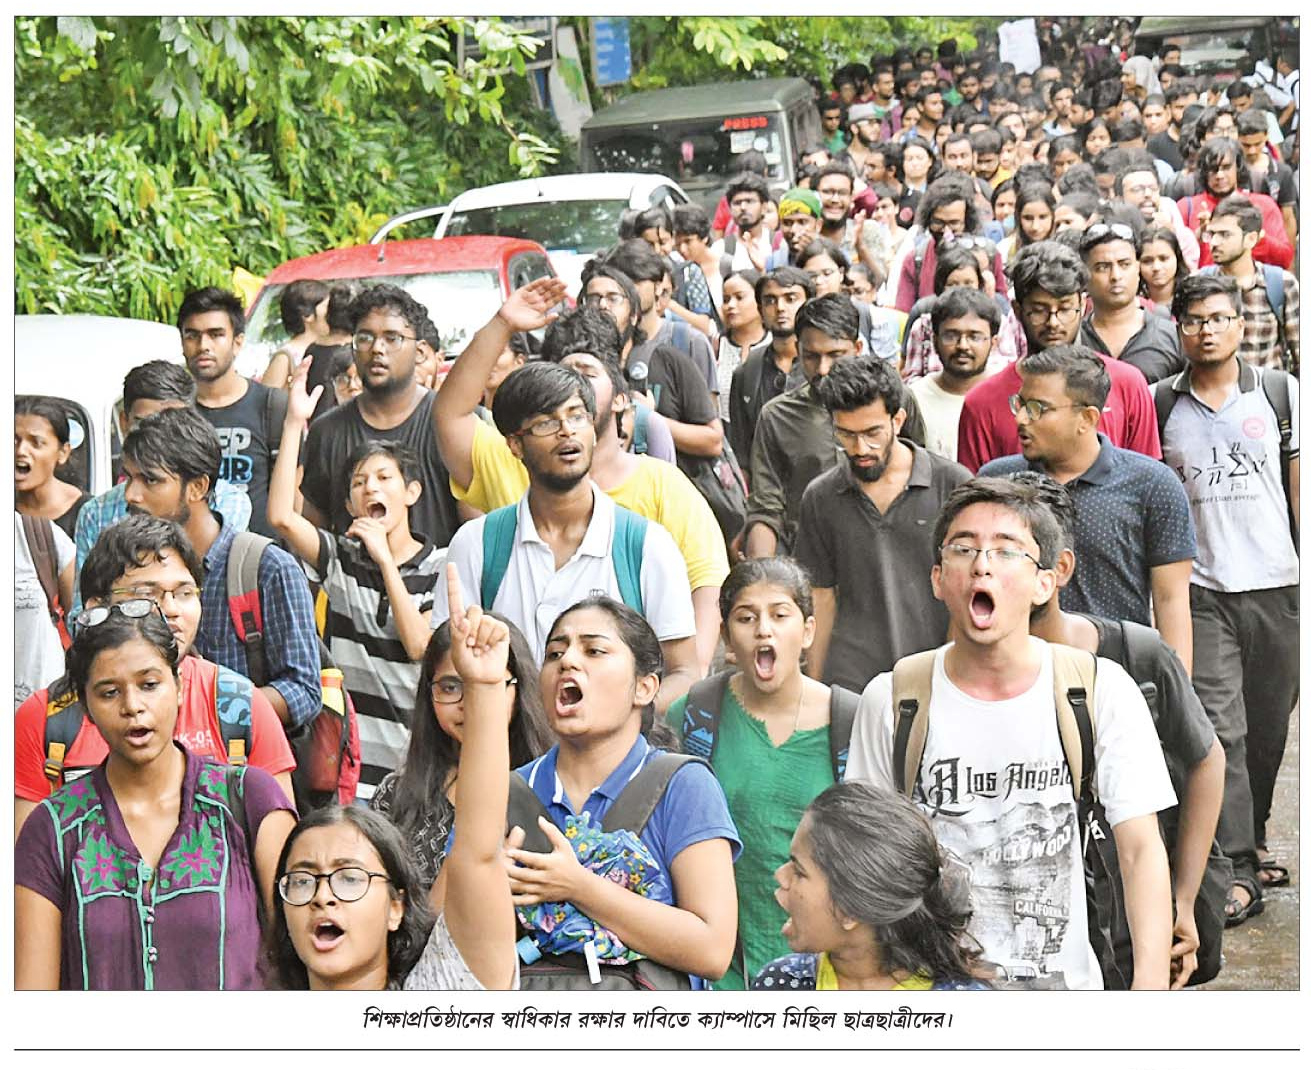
point(1229, 464)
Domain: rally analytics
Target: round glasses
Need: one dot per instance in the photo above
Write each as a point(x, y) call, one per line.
point(448, 690)
point(132, 608)
point(298, 886)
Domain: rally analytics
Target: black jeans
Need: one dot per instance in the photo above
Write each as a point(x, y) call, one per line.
point(1246, 672)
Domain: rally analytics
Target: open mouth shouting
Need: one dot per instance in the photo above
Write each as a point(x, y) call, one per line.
point(139, 736)
point(764, 661)
point(326, 935)
point(570, 451)
point(375, 510)
point(982, 610)
point(568, 697)
point(22, 469)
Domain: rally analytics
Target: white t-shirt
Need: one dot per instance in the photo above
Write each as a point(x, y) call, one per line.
point(39, 657)
point(534, 592)
point(941, 412)
point(995, 785)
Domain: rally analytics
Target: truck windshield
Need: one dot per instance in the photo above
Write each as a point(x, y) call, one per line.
point(695, 152)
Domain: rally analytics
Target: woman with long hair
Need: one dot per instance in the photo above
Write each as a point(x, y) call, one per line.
point(42, 445)
point(872, 902)
point(1160, 264)
point(743, 330)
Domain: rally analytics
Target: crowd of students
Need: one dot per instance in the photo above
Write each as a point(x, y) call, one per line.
point(785, 609)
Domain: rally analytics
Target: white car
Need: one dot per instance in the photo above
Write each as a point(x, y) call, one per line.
point(80, 361)
point(572, 216)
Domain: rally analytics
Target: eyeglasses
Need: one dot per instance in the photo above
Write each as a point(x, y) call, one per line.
point(390, 339)
point(182, 593)
point(347, 884)
point(1000, 556)
point(1065, 314)
point(1213, 236)
point(448, 690)
point(1035, 409)
point(833, 194)
point(132, 609)
point(950, 337)
point(610, 300)
point(1139, 188)
point(575, 421)
point(1099, 231)
point(1194, 325)
point(871, 436)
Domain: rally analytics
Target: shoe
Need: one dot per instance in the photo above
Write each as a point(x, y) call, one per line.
point(1236, 911)
point(1279, 873)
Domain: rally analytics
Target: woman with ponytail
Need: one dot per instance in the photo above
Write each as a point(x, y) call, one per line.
point(872, 901)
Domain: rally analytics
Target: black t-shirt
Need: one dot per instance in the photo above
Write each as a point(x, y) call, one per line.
point(1164, 147)
point(250, 431)
point(321, 373)
point(674, 382)
point(336, 435)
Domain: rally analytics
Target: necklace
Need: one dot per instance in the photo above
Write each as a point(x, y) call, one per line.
point(736, 688)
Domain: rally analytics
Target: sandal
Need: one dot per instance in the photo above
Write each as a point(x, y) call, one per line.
point(1280, 873)
point(1236, 911)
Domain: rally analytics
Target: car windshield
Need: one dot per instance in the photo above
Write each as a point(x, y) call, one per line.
point(459, 302)
point(695, 152)
point(573, 226)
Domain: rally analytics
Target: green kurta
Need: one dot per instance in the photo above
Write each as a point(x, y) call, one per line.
point(768, 788)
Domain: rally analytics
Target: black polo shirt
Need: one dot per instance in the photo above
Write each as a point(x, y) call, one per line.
point(1154, 350)
point(879, 563)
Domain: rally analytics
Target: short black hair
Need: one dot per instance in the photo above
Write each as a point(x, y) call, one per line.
point(340, 299)
point(1237, 88)
point(1190, 289)
point(861, 381)
point(1017, 498)
point(177, 441)
point(1084, 373)
point(1056, 496)
point(134, 542)
point(1239, 207)
point(299, 300)
point(1128, 130)
point(587, 330)
point(957, 301)
point(1251, 121)
point(824, 247)
point(158, 380)
point(1134, 162)
point(786, 276)
point(1049, 266)
point(748, 182)
point(653, 218)
point(833, 315)
point(637, 260)
point(406, 459)
point(1080, 178)
point(539, 387)
point(212, 299)
point(955, 138)
point(392, 298)
point(951, 259)
point(836, 167)
point(1106, 94)
point(691, 219)
point(427, 332)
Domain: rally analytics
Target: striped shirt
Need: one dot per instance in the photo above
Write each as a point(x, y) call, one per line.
point(367, 647)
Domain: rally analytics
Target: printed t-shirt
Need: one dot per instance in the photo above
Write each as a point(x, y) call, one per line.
point(995, 785)
point(249, 446)
point(768, 787)
point(197, 729)
point(366, 645)
point(655, 490)
point(190, 923)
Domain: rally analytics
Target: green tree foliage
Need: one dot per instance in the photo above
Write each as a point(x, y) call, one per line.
point(155, 154)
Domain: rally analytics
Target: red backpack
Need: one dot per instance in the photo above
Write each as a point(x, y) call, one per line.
point(328, 748)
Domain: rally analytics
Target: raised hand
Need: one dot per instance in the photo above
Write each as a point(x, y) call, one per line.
point(301, 405)
point(374, 537)
point(480, 644)
point(532, 307)
point(544, 878)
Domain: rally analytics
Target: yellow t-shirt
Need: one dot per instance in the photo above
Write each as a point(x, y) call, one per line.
point(826, 979)
point(656, 490)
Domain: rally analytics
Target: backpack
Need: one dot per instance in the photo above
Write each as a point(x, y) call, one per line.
point(705, 702)
point(1074, 676)
point(629, 540)
point(728, 256)
point(631, 810)
point(328, 748)
point(40, 535)
point(641, 420)
point(1274, 384)
point(1274, 291)
point(1134, 650)
point(275, 414)
point(65, 715)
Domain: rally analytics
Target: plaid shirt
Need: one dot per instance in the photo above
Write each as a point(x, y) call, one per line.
point(1260, 345)
point(111, 507)
point(290, 639)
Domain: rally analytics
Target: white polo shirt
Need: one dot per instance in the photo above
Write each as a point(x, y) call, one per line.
point(533, 592)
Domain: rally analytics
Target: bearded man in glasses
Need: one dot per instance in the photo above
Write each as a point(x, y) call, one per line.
point(1051, 291)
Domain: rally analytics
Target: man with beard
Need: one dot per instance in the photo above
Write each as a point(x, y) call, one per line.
point(1133, 533)
point(1118, 325)
point(772, 367)
point(246, 414)
point(875, 606)
point(799, 214)
point(388, 324)
point(965, 325)
point(1221, 170)
point(170, 461)
point(569, 537)
point(751, 245)
point(1137, 184)
point(486, 474)
point(858, 237)
point(1051, 288)
point(863, 122)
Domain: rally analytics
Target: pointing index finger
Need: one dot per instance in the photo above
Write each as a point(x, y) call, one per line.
point(454, 595)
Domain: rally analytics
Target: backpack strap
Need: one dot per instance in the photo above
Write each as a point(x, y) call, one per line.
point(1164, 397)
point(233, 695)
point(1275, 385)
point(912, 688)
point(499, 529)
point(40, 536)
point(626, 546)
point(64, 716)
point(1274, 292)
point(235, 776)
point(637, 802)
point(523, 809)
point(243, 600)
point(842, 705)
point(1074, 674)
point(701, 713)
point(682, 338)
point(275, 415)
point(1137, 645)
point(641, 420)
point(729, 255)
